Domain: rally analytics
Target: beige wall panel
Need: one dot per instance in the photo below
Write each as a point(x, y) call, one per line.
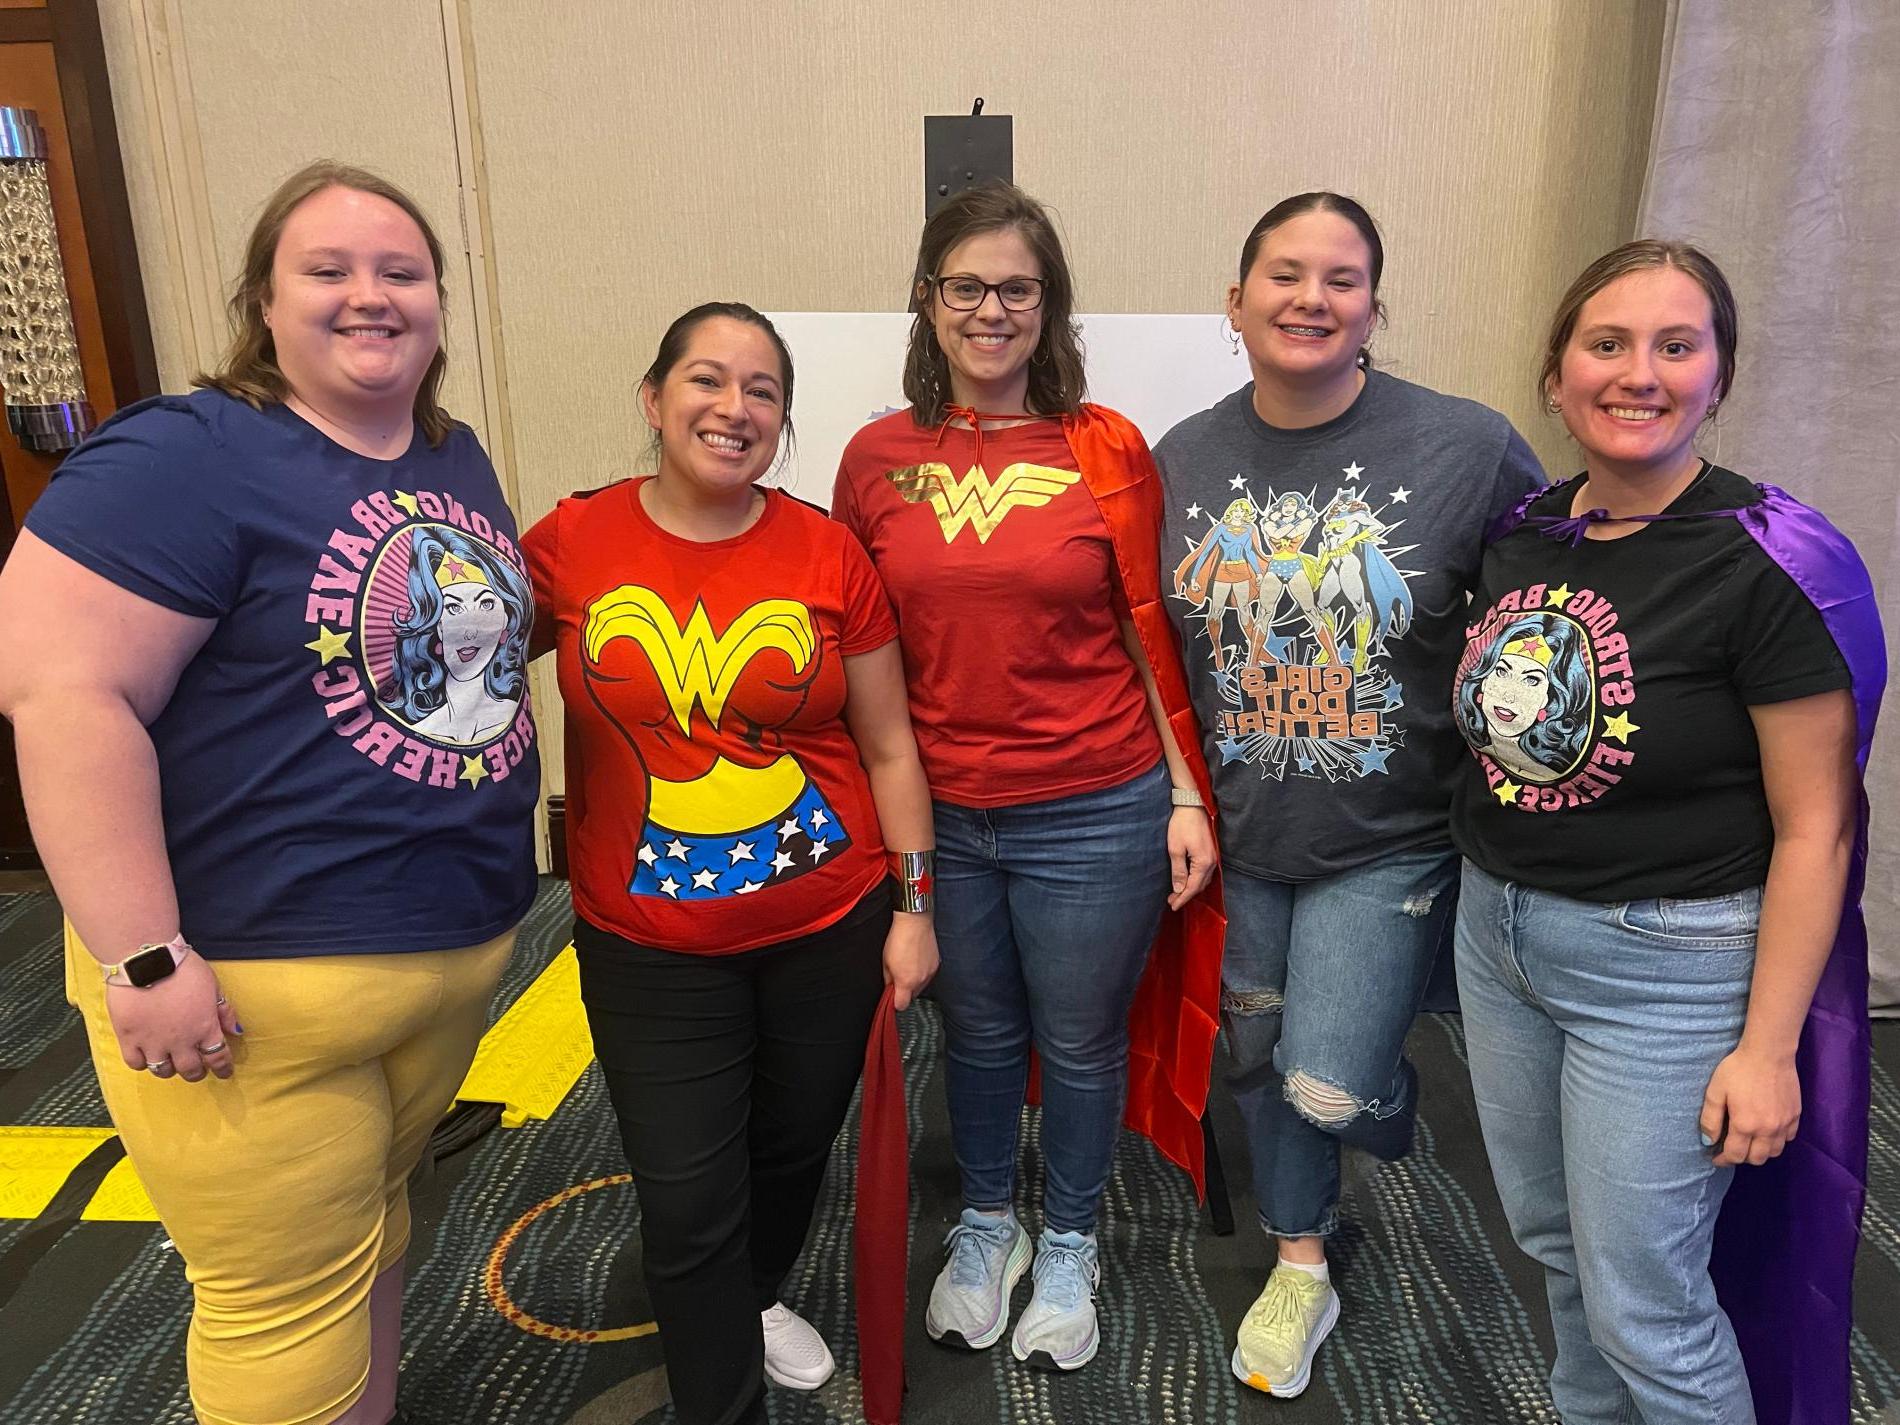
point(271, 87)
point(643, 157)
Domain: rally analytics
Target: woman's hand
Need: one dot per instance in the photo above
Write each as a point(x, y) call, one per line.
point(1191, 855)
point(1751, 1108)
point(181, 1025)
point(910, 955)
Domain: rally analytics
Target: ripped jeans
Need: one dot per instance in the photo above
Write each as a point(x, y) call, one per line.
point(1320, 984)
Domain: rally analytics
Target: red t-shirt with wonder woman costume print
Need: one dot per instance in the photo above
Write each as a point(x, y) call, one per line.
point(715, 798)
point(1004, 579)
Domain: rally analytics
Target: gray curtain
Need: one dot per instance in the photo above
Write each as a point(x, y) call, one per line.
point(1777, 149)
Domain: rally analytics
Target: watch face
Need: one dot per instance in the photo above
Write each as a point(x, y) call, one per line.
point(149, 966)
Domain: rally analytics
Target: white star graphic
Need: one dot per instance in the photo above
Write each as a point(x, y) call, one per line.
point(781, 862)
point(671, 887)
point(1193, 512)
point(1354, 470)
point(647, 855)
point(818, 819)
point(789, 827)
point(704, 880)
point(747, 887)
point(1401, 495)
point(1236, 482)
point(676, 849)
point(819, 848)
point(741, 851)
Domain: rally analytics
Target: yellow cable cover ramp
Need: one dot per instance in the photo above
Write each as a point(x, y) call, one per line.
point(537, 1051)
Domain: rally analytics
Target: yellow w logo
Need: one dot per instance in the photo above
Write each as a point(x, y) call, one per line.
point(694, 664)
point(975, 500)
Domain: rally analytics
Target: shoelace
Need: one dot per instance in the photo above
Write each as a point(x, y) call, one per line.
point(1284, 1307)
point(1062, 1275)
point(969, 1251)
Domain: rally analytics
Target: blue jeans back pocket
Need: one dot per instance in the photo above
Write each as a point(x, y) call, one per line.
point(1714, 922)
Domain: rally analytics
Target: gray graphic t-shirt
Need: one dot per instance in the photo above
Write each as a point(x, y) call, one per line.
point(1320, 577)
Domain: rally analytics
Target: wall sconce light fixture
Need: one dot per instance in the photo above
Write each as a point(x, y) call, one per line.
point(39, 354)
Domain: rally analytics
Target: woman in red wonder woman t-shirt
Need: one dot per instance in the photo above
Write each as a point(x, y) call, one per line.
point(1017, 531)
point(739, 757)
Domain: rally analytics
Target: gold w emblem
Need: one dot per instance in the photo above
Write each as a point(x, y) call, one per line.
point(975, 500)
point(694, 664)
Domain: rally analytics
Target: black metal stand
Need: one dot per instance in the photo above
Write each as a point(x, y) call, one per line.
point(1220, 1207)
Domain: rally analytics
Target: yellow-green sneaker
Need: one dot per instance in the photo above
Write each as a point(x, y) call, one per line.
point(1276, 1343)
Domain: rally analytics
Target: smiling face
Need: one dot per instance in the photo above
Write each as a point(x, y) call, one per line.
point(1640, 372)
point(1514, 693)
point(1306, 306)
point(720, 409)
point(988, 350)
point(354, 313)
point(474, 619)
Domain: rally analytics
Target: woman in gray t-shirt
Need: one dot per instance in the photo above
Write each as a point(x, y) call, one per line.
point(1324, 526)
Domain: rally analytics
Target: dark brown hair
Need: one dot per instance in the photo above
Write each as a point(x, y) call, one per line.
point(1058, 382)
point(1322, 201)
point(1639, 256)
point(679, 334)
point(249, 369)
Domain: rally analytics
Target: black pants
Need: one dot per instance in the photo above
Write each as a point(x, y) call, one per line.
point(730, 1075)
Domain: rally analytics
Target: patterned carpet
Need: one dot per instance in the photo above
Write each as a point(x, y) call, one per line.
point(1443, 1320)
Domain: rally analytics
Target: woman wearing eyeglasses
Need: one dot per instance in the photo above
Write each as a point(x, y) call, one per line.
point(1017, 531)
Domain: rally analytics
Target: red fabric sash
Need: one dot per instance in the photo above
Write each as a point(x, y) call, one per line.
point(882, 1231)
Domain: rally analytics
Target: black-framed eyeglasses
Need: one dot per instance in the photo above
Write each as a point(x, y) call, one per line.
point(966, 294)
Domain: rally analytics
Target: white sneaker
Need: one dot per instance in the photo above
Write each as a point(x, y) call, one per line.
point(969, 1301)
point(1057, 1330)
point(796, 1356)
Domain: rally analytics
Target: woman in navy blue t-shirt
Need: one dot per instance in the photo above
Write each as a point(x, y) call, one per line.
point(262, 647)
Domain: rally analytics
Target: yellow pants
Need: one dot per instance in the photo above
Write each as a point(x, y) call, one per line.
point(283, 1186)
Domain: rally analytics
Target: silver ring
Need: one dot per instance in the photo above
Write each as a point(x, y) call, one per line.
point(217, 1048)
point(222, 1000)
point(152, 1066)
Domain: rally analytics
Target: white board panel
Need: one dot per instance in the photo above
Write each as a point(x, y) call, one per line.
point(1154, 369)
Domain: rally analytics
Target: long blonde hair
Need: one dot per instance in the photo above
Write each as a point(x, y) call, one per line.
point(249, 369)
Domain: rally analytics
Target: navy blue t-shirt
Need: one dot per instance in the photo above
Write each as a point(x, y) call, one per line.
point(348, 765)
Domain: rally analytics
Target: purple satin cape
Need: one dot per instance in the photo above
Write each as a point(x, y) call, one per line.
point(1783, 1261)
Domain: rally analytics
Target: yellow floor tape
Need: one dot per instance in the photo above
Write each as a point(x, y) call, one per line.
point(527, 1062)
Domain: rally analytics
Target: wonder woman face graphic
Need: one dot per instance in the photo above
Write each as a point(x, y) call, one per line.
point(473, 623)
point(1514, 694)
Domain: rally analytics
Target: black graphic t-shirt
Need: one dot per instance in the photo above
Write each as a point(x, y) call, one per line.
point(1604, 694)
point(348, 765)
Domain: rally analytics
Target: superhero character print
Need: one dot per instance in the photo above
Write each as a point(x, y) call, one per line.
point(1317, 603)
point(729, 810)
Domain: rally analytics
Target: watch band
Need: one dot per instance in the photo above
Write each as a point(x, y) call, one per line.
point(1186, 797)
point(149, 964)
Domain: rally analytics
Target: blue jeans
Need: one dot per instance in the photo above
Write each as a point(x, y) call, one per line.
point(1320, 984)
point(1045, 915)
point(1593, 1030)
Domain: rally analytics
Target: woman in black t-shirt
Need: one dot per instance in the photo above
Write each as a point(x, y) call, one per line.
point(1658, 824)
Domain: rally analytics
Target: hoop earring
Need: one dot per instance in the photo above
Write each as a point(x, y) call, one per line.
point(1553, 405)
point(1040, 357)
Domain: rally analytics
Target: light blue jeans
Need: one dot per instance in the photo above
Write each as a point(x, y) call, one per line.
point(1593, 1030)
point(1045, 916)
point(1320, 983)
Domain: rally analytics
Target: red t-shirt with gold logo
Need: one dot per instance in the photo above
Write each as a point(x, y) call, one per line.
point(715, 798)
point(1009, 608)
